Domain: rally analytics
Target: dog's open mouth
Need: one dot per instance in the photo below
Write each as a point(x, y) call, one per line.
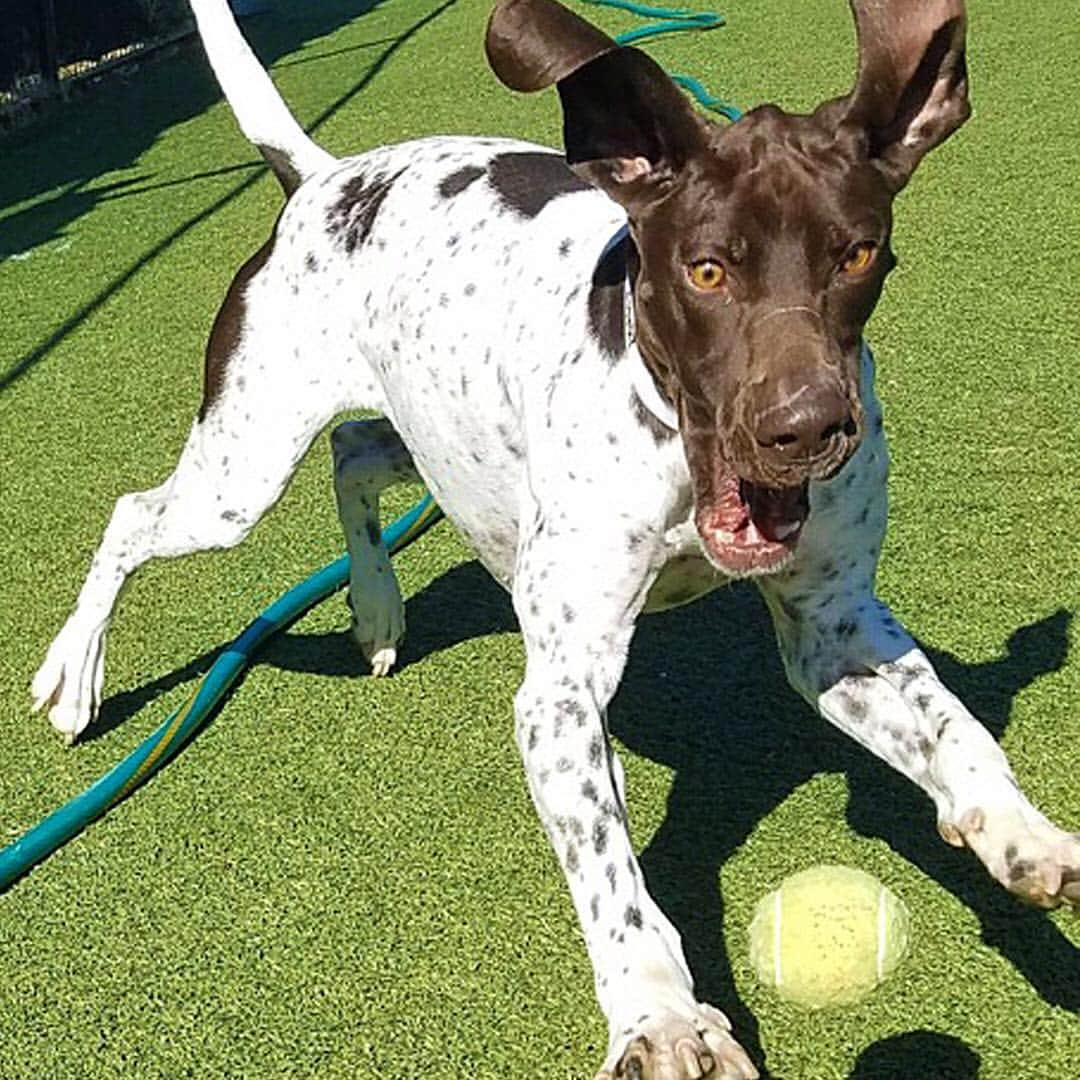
point(749, 529)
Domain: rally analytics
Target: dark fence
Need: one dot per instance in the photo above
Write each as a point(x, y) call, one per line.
point(42, 41)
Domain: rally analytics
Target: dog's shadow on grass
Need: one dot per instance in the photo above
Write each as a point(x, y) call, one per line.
point(705, 695)
point(917, 1053)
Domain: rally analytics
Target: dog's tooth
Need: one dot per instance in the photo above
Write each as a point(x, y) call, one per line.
point(782, 532)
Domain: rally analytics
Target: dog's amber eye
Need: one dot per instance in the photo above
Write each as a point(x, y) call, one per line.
point(859, 257)
point(707, 275)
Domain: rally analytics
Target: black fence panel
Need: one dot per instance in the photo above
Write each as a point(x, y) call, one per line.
point(85, 30)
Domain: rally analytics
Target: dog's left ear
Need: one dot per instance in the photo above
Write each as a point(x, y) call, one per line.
point(911, 92)
point(627, 127)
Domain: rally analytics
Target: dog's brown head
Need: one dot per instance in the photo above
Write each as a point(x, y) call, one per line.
point(762, 245)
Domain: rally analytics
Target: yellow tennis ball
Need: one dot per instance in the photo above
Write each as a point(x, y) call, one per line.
point(828, 936)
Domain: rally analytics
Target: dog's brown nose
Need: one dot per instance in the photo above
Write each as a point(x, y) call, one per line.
point(813, 427)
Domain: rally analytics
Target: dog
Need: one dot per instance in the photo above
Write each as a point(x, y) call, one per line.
point(628, 374)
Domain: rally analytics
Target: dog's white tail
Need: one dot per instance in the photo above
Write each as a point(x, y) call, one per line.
point(259, 110)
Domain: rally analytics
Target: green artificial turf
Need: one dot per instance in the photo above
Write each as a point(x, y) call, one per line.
point(343, 877)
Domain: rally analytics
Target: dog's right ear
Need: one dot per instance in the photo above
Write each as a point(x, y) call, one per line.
point(627, 127)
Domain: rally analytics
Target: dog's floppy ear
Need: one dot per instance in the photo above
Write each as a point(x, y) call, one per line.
point(532, 44)
point(627, 127)
point(911, 91)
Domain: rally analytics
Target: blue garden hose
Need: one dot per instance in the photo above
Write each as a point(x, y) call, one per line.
point(160, 747)
point(674, 20)
point(120, 781)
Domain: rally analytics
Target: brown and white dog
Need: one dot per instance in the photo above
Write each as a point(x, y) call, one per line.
point(627, 375)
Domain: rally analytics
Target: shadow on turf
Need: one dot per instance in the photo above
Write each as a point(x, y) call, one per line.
point(926, 1054)
point(126, 120)
point(110, 126)
point(705, 695)
point(721, 716)
point(480, 608)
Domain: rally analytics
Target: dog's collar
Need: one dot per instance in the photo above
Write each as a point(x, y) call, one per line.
point(645, 388)
point(640, 377)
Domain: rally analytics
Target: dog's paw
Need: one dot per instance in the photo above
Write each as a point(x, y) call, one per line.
point(1034, 859)
point(68, 684)
point(378, 623)
point(669, 1047)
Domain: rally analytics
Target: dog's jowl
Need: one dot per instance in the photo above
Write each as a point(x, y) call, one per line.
point(628, 373)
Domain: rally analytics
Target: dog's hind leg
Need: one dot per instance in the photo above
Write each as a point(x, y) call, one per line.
point(369, 456)
point(235, 464)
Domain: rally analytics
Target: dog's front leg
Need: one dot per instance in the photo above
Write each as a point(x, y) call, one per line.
point(854, 662)
point(576, 599)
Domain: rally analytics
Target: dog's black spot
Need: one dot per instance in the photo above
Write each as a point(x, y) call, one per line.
point(351, 218)
point(856, 707)
point(632, 916)
point(459, 180)
point(504, 388)
point(311, 263)
point(599, 836)
point(564, 247)
point(596, 752)
point(373, 534)
point(908, 675)
point(1021, 869)
point(527, 182)
point(228, 326)
point(660, 433)
point(282, 167)
point(607, 298)
point(594, 907)
point(572, 863)
point(568, 707)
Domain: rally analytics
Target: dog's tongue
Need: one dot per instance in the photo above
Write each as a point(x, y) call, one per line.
point(778, 513)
